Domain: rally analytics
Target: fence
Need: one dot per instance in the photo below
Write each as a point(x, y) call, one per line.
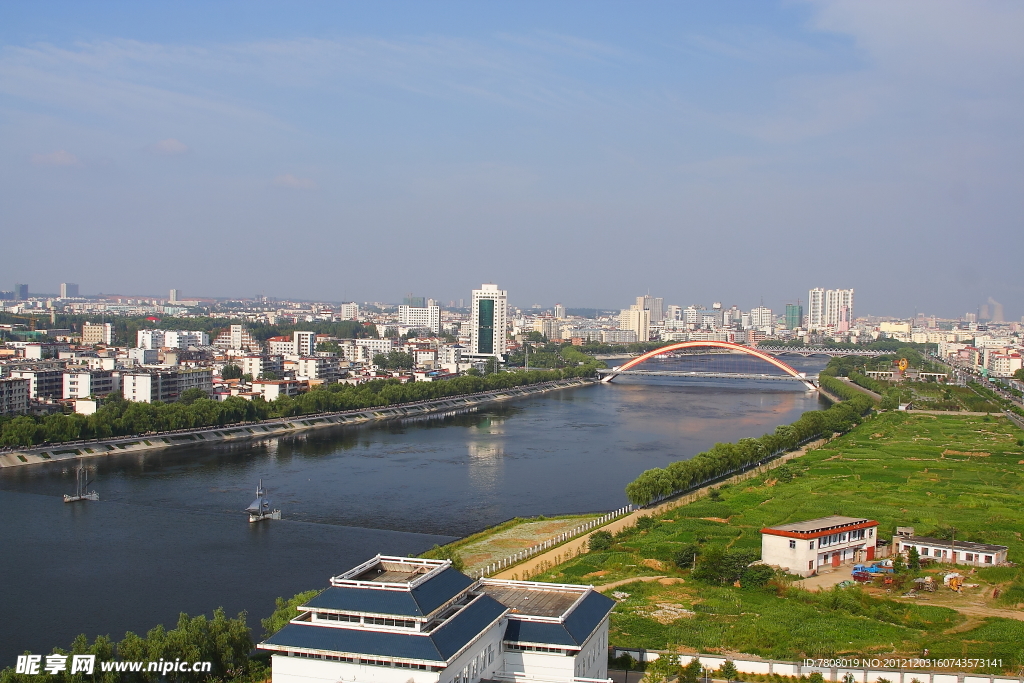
point(518, 557)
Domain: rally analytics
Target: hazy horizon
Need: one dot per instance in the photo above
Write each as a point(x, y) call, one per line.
point(576, 152)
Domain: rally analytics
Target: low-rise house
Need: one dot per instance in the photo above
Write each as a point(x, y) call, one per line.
point(271, 389)
point(953, 551)
point(803, 547)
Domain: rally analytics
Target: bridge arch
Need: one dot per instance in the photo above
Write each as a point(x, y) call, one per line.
point(785, 367)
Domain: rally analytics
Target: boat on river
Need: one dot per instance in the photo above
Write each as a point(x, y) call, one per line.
point(82, 491)
point(260, 508)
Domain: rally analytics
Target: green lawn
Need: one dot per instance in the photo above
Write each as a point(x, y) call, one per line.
point(900, 469)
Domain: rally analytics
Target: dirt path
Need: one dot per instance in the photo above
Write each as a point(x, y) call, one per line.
point(623, 582)
point(578, 546)
point(977, 610)
point(859, 388)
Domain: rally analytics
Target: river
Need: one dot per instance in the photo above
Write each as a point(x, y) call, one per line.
point(169, 535)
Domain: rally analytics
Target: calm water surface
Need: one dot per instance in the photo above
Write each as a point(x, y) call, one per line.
point(168, 534)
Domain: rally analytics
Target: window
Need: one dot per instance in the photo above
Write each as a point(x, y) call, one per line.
point(871, 532)
point(810, 565)
point(969, 557)
point(988, 559)
point(924, 551)
point(792, 543)
point(811, 545)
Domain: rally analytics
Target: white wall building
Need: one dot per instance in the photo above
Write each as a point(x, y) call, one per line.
point(953, 551)
point(171, 339)
point(83, 382)
point(489, 321)
point(409, 620)
point(147, 386)
point(427, 318)
point(348, 311)
point(802, 547)
point(638, 320)
point(761, 317)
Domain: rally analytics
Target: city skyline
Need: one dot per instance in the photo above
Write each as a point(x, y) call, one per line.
point(735, 150)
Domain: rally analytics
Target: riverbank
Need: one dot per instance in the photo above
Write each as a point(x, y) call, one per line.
point(279, 427)
point(932, 472)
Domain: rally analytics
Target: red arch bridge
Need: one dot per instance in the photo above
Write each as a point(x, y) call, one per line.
point(788, 373)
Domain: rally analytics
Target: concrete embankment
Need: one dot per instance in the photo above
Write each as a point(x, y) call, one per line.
point(279, 427)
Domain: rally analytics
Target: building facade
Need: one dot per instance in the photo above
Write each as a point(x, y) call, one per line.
point(68, 290)
point(83, 382)
point(489, 321)
point(13, 395)
point(43, 383)
point(147, 386)
point(97, 333)
point(802, 547)
point(427, 317)
point(409, 620)
point(953, 551)
point(638, 320)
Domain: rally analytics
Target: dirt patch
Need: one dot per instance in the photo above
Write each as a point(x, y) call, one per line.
point(600, 573)
point(771, 482)
point(654, 564)
point(716, 519)
point(977, 454)
point(670, 581)
point(667, 612)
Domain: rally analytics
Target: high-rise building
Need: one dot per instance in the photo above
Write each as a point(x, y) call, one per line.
point(414, 301)
point(348, 311)
point(656, 305)
point(305, 343)
point(490, 319)
point(559, 311)
point(816, 308)
point(427, 317)
point(794, 316)
point(761, 317)
point(21, 292)
point(173, 298)
point(68, 290)
point(638, 319)
point(839, 308)
point(236, 338)
point(674, 312)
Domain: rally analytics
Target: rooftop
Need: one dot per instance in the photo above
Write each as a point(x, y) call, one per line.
point(529, 599)
point(946, 543)
point(821, 524)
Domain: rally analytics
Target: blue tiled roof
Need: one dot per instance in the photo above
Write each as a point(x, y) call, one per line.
point(582, 621)
point(573, 632)
point(467, 625)
point(419, 602)
point(370, 643)
point(438, 646)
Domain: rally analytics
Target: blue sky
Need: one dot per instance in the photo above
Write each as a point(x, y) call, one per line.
point(576, 152)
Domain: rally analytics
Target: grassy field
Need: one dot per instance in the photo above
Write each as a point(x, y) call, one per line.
point(929, 472)
point(498, 542)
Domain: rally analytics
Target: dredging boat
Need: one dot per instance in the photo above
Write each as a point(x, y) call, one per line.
point(82, 491)
point(260, 508)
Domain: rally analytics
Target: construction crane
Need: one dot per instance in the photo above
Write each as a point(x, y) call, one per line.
point(31, 320)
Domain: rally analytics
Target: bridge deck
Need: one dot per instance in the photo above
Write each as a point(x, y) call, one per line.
point(711, 375)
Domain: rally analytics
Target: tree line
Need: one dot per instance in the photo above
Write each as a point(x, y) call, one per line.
point(118, 417)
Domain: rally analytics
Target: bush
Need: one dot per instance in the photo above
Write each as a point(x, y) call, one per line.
point(686, 557)
point(599, 540)
point(645, 523)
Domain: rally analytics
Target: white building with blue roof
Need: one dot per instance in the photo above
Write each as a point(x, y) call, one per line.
point(409, 620)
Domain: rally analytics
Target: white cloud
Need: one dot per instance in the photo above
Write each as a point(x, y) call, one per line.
point(288, 180)
point(59, 158)
point(169, 147)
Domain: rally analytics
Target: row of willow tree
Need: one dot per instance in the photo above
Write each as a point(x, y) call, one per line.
point(725, 458)
point(118, 417)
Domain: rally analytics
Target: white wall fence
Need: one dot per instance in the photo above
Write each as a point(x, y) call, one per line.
point(515, 558)
point(876, 672)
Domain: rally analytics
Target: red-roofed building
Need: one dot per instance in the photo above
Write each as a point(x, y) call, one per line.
point(802, 547)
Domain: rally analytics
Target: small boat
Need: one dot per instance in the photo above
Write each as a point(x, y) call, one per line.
point(82, 491)
point(260, 508)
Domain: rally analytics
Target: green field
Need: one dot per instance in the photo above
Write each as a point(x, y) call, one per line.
point(929, 472)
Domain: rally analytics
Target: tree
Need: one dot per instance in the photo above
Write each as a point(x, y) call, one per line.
point(231, 372)
point(1019, 374)
point(757, 576)
point(898, 564)
point(599, 540)
point(691, 672)
point(815, 677)
point(284, 611)
point(686, 557)
point(729, 672)
point(662, 669)
point(190, 396)
point(914, 559)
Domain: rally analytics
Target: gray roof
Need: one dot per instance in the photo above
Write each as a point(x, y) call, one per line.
point(946, 543)
point(572, 632)
point(419, 602)
point(820, 524)
point(438, 646)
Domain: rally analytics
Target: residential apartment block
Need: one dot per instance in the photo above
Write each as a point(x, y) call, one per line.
point(14, 395)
